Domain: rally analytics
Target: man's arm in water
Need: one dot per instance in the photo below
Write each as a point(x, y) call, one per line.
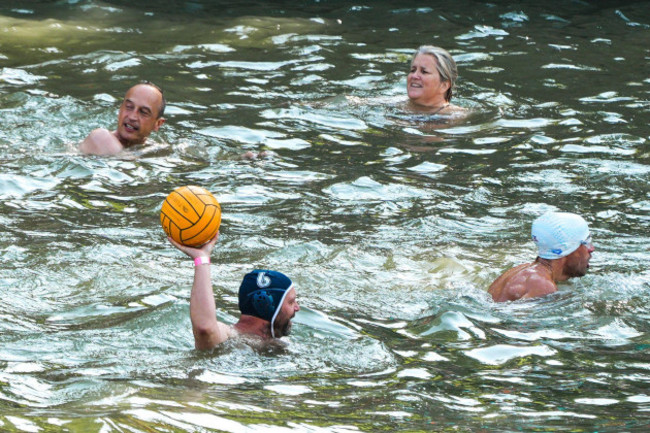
point(208, 331)
point(101, 142)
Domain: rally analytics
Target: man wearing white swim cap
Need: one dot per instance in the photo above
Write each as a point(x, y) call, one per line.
point(564, 249)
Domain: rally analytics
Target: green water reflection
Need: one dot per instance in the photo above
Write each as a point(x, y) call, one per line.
point(392, 225)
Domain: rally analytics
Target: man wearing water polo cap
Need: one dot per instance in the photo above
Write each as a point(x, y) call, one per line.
point(141, 113)
point(267, 301)
point(564, 249)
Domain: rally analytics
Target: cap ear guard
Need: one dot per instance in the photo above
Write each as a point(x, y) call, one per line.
point(263, 304)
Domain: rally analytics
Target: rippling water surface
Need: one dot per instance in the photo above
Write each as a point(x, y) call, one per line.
point(391, 224)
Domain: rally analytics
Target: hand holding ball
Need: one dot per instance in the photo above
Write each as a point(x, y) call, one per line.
point(190, 215)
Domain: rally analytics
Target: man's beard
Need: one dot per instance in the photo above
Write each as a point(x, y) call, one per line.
point(573, 269)
point(283, 330)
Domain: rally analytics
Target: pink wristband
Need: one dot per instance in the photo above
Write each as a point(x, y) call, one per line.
point(201, 261)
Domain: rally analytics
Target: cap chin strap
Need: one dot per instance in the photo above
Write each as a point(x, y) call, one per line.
point(278, 309)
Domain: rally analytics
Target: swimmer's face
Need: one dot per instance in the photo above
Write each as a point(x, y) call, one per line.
point(423, 83)
point(282, 324)
point(138, 115)
point(577, 262)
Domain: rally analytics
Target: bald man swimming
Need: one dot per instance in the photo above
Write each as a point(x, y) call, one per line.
point(141, 113)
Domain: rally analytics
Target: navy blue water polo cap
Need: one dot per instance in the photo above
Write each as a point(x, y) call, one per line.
point(262, 293)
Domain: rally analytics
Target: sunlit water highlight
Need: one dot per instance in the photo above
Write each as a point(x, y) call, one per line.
point(392, 224)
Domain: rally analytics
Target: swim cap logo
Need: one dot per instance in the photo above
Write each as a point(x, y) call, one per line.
point(263, 280)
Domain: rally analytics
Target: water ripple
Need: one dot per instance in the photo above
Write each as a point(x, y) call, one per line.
point(391, 223)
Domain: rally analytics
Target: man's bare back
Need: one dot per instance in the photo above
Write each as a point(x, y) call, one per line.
point(524, 281)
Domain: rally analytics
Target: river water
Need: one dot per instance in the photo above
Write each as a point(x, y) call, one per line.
point(391, 224)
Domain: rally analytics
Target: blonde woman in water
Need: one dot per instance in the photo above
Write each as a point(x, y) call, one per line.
point(431, 80)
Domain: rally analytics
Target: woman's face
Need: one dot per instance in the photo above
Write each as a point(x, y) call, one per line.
point(423, 83)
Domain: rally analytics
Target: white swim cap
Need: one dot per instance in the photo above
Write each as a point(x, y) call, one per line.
point(558, 234)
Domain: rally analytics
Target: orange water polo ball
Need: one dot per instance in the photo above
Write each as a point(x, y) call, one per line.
point(190, 215)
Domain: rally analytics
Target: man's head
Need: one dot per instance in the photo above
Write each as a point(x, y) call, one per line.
point(558, 235)
point(140, 113)
point(269, 295)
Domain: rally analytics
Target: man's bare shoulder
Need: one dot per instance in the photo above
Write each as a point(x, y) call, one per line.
point(498, 287)
point(101, 142)
point(523, 281)
point(539, 284)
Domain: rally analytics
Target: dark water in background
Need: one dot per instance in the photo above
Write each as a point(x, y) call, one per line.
point(391, 225)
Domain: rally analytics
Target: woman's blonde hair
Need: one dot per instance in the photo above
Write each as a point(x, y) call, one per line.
point(445, 65)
